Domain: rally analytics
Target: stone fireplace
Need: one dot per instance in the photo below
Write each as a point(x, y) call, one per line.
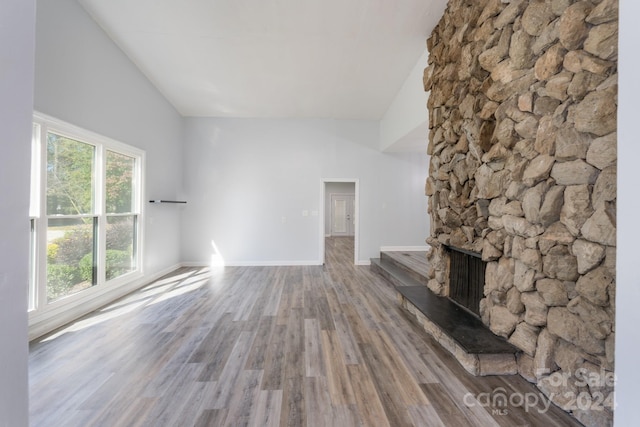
point(522, 113)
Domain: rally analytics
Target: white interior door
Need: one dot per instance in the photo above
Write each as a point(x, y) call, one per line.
point(342, 214)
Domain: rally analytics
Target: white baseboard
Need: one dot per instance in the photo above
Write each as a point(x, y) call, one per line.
point(254, 263)
point(404, 248)
point(194, 264)
point(363, 262)
point(271, 263)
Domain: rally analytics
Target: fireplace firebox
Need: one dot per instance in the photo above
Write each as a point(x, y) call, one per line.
point(466, 278)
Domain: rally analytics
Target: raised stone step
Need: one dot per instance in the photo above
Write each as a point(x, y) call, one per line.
point(414, 264)
point(395, 274)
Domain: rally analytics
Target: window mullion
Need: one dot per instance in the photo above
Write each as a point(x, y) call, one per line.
point(100, 201)
point(41, 224)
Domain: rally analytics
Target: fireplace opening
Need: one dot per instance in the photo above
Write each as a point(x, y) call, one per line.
point(466, 278)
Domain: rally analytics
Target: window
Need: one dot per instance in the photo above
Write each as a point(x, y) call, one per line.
point(85, 212)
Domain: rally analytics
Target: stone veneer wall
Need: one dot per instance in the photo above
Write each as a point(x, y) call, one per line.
point(523, 169)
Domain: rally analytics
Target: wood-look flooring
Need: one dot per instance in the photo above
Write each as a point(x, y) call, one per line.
point(264, 346)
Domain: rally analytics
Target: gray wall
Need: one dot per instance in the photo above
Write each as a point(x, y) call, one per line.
point(627, 277)
point(242, 176)
point(17, 18)
point(83, 78)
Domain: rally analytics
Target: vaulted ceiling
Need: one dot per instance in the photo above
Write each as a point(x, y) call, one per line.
point(342, 59)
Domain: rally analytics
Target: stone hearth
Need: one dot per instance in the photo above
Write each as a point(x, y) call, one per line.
point(455, 328)
point(522, 111)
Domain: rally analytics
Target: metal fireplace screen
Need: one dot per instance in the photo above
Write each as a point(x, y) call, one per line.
point(466, 279)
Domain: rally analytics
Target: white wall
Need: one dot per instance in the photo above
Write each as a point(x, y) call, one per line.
point(243, 176)
point(405, 125)
point(334, 188)
point(627, 389)
point(83, 78)
point(17, 35)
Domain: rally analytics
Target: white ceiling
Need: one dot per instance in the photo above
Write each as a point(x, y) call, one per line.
point(272, 58)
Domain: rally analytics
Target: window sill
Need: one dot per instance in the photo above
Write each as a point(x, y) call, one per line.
point(66, 310)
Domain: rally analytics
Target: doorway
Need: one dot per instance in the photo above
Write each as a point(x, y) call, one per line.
point(340, 209)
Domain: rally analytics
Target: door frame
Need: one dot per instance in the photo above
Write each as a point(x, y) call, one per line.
point(356, 216)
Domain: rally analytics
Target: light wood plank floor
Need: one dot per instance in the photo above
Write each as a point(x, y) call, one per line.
point(263, 346)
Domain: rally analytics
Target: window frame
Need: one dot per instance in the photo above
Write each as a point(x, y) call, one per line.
point(39, 218)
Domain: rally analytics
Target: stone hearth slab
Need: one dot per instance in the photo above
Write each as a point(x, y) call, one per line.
point(477, 349)
point(465, 329)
